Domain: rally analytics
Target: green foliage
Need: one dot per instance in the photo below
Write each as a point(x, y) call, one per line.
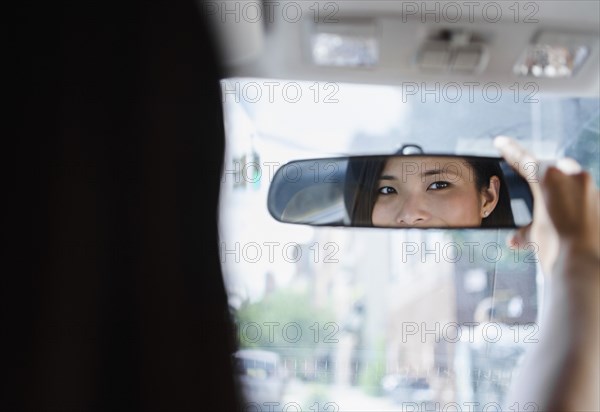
point(285, 321)
point(373, 370)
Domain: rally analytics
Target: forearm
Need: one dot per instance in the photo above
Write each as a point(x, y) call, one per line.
point(562, 371)
point(575, 306)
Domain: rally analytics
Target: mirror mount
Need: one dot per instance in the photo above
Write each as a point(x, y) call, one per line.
point(410, 149)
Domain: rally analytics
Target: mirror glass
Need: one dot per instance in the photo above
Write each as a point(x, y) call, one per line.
point(416, 191)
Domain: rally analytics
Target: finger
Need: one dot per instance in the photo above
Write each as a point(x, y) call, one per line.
point(510, 239)
point(514, 153)
point(520, 160)
point(566, 165)
point(519, 237)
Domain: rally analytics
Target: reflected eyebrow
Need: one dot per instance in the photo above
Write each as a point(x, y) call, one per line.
point(432, 172)
point(439, 172)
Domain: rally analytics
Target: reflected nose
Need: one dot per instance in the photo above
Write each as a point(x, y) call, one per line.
point(412, 212)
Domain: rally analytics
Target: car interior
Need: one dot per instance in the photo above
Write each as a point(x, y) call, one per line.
point(363, 316)
point(290, 205)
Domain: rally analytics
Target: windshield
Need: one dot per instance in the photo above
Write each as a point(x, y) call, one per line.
point(378, 319)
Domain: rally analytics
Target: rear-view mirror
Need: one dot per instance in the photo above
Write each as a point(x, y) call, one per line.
point(409, 191)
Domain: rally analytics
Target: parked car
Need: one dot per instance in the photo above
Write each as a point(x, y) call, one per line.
point(260, 374)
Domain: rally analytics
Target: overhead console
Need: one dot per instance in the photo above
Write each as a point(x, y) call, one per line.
point(552, 44)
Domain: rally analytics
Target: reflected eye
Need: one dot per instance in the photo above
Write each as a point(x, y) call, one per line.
point(386, 190)
point(438, 185)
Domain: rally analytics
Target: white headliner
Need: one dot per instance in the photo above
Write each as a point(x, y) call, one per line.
point(275, 47)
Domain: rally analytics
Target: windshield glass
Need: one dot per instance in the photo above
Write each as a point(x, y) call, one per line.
point(378, 319)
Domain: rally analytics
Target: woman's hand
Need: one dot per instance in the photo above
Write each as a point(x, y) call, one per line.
point(573, 205)
point(566, 206)
point(561, 371)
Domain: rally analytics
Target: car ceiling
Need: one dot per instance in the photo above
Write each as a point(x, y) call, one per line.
point(277, 45)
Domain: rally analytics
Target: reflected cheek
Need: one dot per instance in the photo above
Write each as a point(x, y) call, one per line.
point(458, 211)
point(380, 213)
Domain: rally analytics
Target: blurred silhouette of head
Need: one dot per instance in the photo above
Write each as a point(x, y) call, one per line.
point(119, 302)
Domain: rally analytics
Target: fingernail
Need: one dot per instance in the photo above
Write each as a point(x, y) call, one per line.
point(501, 141)
point(568, 166)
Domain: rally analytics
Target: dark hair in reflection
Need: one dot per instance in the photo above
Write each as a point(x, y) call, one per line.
point(362, 175)
point(360, 191)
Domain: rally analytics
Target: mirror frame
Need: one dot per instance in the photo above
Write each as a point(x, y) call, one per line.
point(275, 189)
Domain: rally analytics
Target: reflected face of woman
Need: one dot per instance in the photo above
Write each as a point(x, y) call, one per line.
point(431, 192)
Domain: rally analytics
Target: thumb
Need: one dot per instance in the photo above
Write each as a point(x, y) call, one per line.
point(519, 237)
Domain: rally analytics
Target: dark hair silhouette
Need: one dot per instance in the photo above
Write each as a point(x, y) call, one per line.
point(116, 301)
point(363, 174)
